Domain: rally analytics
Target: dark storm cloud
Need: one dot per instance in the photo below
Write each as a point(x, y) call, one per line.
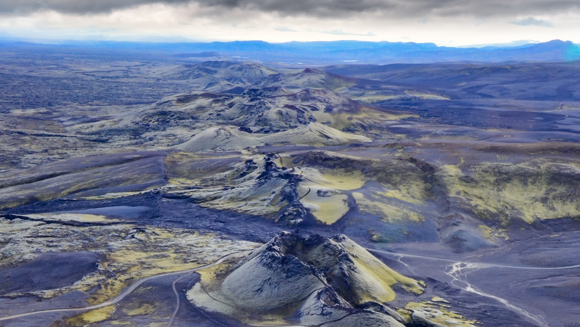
point(315, 8)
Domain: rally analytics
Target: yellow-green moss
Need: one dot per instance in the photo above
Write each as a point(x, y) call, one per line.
point(141, 310)
point(529, 191)
point(375, 280)
point(92, 316)
point(490, 233)
point(388, 212)
point(440, 314)
point(333, 205)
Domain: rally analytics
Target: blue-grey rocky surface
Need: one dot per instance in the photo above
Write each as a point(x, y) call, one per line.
point(153, 190)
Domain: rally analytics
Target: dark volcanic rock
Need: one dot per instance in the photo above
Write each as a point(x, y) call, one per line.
point(48, 271)
point(320, 280)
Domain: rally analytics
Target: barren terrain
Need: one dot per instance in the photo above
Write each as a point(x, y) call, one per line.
point(160, 190)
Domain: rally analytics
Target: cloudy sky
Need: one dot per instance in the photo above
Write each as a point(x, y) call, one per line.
point(445, 22)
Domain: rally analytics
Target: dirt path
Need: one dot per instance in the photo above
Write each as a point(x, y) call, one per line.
point(459, 270)
point(123, 294)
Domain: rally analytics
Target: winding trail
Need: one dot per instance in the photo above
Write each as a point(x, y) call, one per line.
point(177, 298)
point(126, 292)
point(475, 264)
point(458, 271)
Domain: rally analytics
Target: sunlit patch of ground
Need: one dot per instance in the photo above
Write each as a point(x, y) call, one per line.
point(92, 316)
point(427, 96)
point(127, 253)
point(75, 217)
point(322, 193)
point(529, 191)
point(374, 98)
point(439, 312)
point(389, 213)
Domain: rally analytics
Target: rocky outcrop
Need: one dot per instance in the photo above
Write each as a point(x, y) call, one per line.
point(365, 319)
point(231, 138)
point(424, 319)
point(463, 234)
point(311, 281)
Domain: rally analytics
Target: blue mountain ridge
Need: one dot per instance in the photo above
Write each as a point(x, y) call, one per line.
point(346, 51)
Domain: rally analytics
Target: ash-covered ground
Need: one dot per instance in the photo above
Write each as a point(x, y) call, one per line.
point(146, 189)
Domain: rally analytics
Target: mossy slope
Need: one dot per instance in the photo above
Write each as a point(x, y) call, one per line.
point(289, 277)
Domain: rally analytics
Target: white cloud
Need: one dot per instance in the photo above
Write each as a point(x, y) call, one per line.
point(531, 21)
point(340, 32)
point(195, 23)
point(283, 29)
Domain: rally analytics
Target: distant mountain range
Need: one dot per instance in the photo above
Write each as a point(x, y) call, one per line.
point(350, 51)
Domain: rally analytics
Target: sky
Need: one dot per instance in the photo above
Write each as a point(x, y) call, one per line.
point(444, 22)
